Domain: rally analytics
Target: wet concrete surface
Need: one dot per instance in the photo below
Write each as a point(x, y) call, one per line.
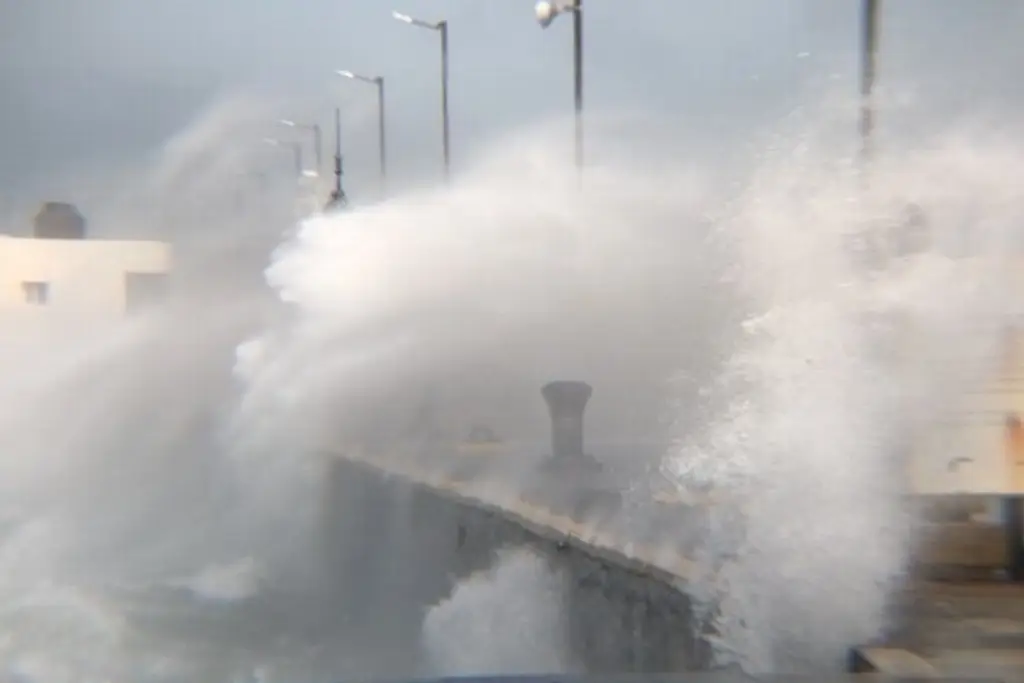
point(619, 617)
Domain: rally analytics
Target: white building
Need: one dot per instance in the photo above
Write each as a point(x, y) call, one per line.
point(103, 276)
point(59, 269)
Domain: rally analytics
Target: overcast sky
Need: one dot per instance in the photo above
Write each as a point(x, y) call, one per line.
point(92, 82)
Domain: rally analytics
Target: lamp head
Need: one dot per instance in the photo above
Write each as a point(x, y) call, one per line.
point(545, 12)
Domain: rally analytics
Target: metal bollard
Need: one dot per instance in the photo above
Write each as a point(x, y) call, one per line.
point(567, 400)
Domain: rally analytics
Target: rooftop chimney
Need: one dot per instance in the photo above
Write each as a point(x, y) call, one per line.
point(59, 220)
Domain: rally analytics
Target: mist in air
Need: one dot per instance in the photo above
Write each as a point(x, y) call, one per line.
point(162, 486)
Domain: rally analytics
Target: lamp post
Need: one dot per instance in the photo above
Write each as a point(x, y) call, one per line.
point(546, 11)
point(317, 139)
point(869, 52)
point(379, 82)
point(442, 28)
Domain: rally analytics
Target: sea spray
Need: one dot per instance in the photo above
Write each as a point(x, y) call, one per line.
point(480, 294)
point(123, 477)
point(839, 361)
point(483, 630)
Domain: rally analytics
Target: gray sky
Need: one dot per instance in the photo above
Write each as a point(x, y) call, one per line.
point(95, 82)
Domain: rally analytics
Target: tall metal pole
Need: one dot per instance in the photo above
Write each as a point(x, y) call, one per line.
point(442, 28)
point(318, 142)
point(381, 119)
point(546, 11)
point(338, 193)
point(869, 51)
point(337, 198)
point(446, 129)
point(577, 29)
point(382, 133)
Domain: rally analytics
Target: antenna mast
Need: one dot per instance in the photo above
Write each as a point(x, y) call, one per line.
point(338, 199)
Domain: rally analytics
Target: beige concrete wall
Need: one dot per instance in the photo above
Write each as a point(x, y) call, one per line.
point(83, 275)
point(978, 450)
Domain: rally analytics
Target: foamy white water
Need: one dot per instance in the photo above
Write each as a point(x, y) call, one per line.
point(161, 513)
point(415, 297)
point(833, 368)
point(506, 621)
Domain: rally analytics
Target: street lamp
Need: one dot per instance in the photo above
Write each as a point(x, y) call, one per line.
point(869, 52)
point(317, 139)
point(546, 12)
point(296, 148)
point(379, 82)
point(442, 28)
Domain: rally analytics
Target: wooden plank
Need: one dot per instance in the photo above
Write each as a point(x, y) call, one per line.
point(970, 599)
point(892, 662)
point(964, 544)
point(1005, 664)
point(946, 615)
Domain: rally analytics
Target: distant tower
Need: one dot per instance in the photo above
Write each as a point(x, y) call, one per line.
point(59, 221)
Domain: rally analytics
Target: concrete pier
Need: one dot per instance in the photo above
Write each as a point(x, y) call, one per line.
point(407, 529)
point(621, 615)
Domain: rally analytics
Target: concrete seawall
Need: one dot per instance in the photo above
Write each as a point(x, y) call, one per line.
point(415, 526)
point(418, 541)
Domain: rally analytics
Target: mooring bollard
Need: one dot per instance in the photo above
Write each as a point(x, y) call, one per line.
point(567, 400)
point(570, 481)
